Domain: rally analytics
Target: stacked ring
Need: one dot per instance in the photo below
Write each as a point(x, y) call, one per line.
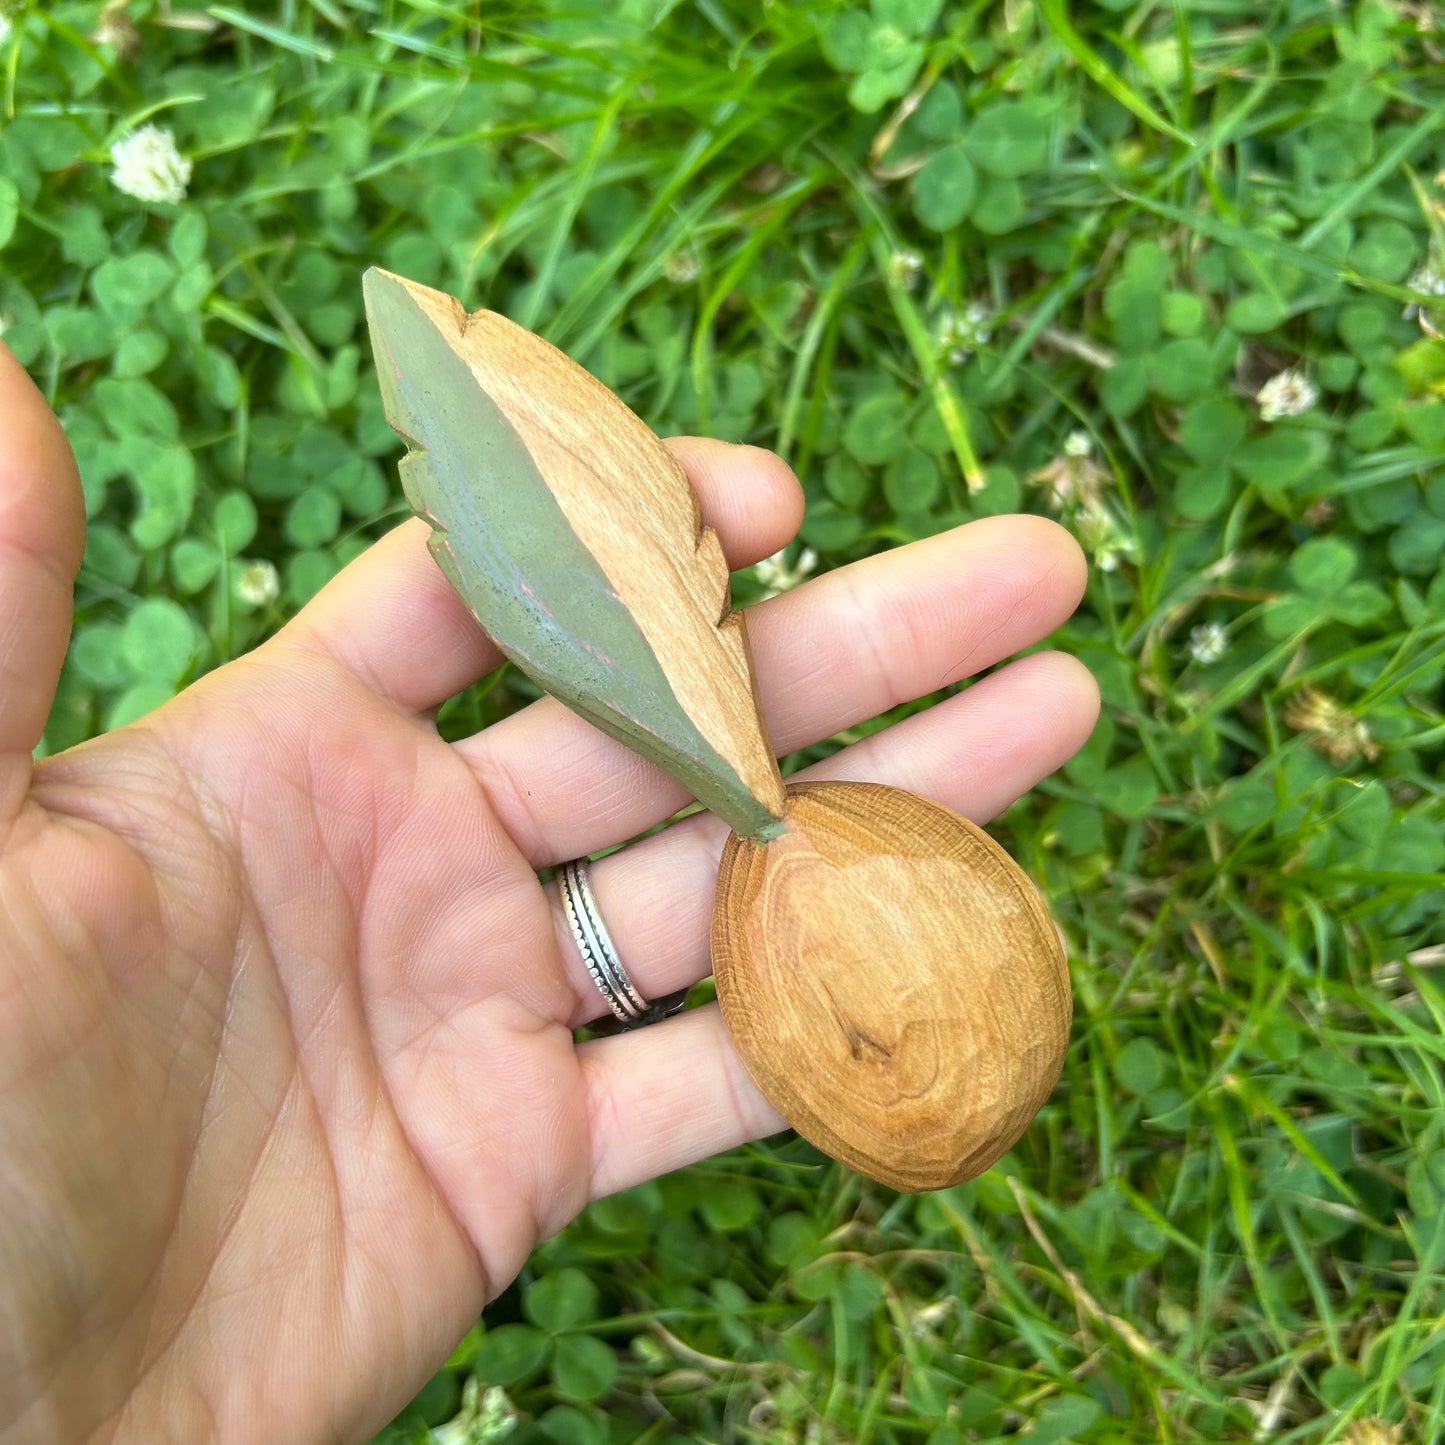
point(594, 943)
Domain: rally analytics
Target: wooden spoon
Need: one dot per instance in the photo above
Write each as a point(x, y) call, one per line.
point(890, 977)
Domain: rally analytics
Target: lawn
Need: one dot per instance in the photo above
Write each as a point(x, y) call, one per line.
point(1174, 273)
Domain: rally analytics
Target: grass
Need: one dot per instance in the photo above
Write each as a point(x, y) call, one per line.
point(770, 223)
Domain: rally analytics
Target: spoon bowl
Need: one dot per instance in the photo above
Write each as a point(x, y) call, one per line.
point(892, 981)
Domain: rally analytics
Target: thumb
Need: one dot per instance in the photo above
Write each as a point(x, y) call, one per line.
point(42, 535)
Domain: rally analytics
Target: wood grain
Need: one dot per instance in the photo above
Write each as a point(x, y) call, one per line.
point(892, 981)
point(574, 537)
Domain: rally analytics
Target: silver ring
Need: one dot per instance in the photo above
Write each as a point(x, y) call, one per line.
point(629, 1009)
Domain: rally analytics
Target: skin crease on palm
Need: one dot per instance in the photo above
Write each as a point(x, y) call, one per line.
point(288, 1087)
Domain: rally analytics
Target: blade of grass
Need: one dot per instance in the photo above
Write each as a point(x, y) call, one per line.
point(825, 308)
point(580, 177)
point(276, 35)
point(1056, 17)
point(1366, 186)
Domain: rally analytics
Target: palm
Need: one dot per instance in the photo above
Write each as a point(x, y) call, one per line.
point(310, 1023)
point(288, 1084)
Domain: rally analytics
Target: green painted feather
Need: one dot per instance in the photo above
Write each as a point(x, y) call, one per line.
point(504, 541)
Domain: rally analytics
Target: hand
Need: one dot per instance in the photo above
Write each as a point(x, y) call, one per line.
point(288, 1087)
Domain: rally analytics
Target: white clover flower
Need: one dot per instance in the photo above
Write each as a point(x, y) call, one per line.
point(1427, 279)
point(486, 1416)
point(257, 584)
point(961, 333)
point(1287, 394)
point(680, 267)
point(1330, 728)
point(1419, 11)
point(1101, 535)
point(1432, 282)
point(1073, 478)
point(777, 576)
point(904, 268)
point(1208, 643)
point(149, 167)
point(114, 27)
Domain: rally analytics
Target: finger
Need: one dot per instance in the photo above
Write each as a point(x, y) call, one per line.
point(841, 649)
point(42, 536)
point(394, 620)
point(976, 753)
point(666, 1096)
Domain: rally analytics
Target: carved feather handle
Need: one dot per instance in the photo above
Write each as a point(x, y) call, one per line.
point(573, 537)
